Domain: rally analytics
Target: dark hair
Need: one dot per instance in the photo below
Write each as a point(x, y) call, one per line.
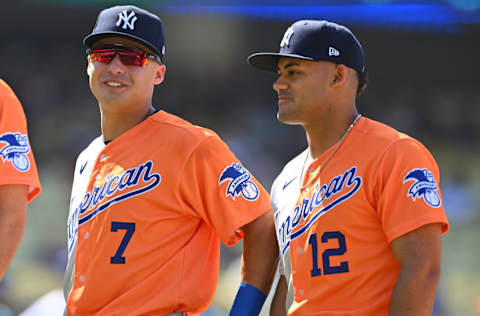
point(362, 82)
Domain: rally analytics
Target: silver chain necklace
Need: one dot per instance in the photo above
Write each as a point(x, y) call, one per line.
point(329, 156)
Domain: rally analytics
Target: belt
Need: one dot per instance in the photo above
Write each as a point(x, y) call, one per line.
point(178, 314)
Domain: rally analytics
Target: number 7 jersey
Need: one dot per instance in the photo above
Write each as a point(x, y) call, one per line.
point(336, 230)
point(146, 215)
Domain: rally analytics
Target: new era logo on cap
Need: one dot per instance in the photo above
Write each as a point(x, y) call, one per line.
point(333, 52)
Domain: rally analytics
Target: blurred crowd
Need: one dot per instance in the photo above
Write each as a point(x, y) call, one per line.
point(423, 84)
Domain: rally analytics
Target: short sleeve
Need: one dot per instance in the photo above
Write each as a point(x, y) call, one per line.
point(274, 194)
point(407, 187)
point(281, 267)
point(17, 163)
point(216, 187)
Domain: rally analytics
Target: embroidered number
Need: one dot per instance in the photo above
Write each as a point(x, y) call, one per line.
point(342, 248)
point(129, 230)
point(327, 268)
point(315, 269)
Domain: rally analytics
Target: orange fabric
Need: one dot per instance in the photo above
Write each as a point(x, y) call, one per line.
point(17, 164)
point(172, 259)
point(365, 197)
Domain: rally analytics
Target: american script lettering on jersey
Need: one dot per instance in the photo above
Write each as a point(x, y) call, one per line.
point(341, 187)
point(114, 182)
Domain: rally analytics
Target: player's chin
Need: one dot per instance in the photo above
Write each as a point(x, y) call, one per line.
point(108, 98)
point(286, 117)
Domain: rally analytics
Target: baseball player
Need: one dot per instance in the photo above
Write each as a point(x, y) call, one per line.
point(153, 195)
point(359, 214)
point(19, 183)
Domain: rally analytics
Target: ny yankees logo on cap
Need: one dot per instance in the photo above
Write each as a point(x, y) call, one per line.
point(286, 38)
point(128, 20)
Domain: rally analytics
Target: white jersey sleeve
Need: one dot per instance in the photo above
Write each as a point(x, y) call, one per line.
point(83, 169)
point(283, 197)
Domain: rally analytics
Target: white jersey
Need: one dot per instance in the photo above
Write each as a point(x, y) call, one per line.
point(83, 169)
point(283, 197)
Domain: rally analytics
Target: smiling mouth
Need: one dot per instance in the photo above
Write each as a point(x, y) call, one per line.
point(113, 84)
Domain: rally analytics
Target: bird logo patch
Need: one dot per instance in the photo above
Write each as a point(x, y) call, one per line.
point(16, 150)
point(424, 186)
point(239, 182)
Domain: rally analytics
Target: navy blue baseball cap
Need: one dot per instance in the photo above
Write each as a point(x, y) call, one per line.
point(315, 40)
point(130, 22)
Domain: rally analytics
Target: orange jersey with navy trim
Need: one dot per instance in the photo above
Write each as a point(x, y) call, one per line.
point(17, 164)
point(379, 185)
point(146, 215)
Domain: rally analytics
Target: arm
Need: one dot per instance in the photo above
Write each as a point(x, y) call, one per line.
point(259, 263)
point(278, 303)
point(13, 217)
point(260, 252)
point(418, 254)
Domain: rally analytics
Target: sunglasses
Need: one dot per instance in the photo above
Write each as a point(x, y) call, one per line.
point(130, 56)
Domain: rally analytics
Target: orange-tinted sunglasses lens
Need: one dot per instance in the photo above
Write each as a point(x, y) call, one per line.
point(129, 56)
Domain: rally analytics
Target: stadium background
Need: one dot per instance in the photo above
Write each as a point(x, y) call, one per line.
point(422, 58)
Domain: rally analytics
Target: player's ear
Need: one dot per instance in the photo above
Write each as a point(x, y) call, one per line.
point(159, 74)
point(340, 75)
point(89, 67)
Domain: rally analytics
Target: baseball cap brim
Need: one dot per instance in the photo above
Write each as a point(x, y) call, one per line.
point(269, 61)
point(91, 39)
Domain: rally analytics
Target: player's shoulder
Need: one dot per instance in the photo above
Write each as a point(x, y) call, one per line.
point(383, 136)
point(11, 110)
point(286, 187)
point(384, 139)
point(95, 146)
point(8, 99)
point(175, 127)
point(290, 172)
point(294, 165)
point(5, 90)
point(379, 131)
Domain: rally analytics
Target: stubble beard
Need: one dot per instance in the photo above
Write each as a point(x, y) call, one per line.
point(288, 115)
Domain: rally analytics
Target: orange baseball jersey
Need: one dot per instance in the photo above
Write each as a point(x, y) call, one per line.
point(146, 215)
point(337, 225)
point(17, 164)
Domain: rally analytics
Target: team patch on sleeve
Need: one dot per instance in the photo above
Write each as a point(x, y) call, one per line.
point(239, 182)
point(15, 150)
point(424, 186)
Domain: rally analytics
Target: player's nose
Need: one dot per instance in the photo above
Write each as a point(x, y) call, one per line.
point(116, 66)
point(279, 85)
